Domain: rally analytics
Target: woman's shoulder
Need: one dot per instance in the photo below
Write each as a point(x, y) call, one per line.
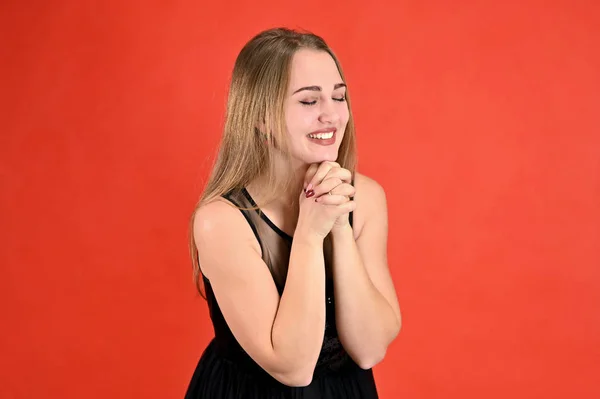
point(370, 200)
point(219, 217)
point(218, 227)
point(215, 213)
point(368, 187)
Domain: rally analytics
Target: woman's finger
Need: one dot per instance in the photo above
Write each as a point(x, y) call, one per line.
point(334, 186)
point(332, 199)
point(326, 186)
point(320, 174)
point(343, 189)
point(310, 173)
point(344, 174)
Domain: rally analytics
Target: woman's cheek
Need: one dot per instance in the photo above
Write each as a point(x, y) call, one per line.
point(308, 120)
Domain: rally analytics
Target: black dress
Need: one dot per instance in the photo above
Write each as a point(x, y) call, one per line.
point(226, 371)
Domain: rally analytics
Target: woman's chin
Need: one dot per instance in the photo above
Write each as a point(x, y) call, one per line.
point(320, 158)
point(309, 159)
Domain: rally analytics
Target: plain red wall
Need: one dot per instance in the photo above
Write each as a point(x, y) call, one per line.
point(481, 120)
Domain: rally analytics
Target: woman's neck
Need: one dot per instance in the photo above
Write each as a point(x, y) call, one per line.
point(287, 197)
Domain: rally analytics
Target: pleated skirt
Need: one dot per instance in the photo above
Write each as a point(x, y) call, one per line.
point(217, 377)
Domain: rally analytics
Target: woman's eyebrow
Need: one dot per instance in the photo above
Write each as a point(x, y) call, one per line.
point(318, 88)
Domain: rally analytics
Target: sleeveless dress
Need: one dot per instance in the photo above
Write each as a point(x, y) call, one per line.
point(226, 371)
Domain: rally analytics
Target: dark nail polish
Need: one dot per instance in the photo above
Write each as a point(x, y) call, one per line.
point(310, 193)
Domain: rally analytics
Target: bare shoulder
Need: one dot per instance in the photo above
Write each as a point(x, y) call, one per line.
point(367, 187)
point(370, 201)
point(213, 217)
point(219, 226)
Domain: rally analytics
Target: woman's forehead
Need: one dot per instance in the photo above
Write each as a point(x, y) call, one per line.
point(313, 68)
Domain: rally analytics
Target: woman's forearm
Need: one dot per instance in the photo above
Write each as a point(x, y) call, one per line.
point(299, 325)
point(365, 320)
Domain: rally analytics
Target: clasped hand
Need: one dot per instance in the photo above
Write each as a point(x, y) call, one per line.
point(330, 185)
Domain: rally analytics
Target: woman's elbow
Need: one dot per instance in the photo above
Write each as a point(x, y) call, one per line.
point(298, 381)
point(368, 362)
point(299, 377)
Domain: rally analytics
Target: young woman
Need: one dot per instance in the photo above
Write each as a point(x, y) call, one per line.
point(289, 242)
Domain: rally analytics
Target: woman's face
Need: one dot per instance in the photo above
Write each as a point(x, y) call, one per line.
point(316, 112)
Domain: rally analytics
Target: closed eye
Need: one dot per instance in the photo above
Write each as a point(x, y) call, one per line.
point(340, 99)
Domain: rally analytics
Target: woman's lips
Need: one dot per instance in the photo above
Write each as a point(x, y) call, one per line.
point(323, 137)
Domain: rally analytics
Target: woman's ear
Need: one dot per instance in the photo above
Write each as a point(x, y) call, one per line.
point(260, 132)
point(261, 125)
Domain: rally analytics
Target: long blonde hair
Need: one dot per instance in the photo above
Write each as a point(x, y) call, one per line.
point(255, 122)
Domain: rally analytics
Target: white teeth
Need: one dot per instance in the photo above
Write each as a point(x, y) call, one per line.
point(321, 136)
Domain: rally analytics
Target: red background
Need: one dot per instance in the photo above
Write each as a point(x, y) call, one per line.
point(480, 119)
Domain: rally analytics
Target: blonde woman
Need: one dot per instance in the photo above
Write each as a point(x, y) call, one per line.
point(287, 240)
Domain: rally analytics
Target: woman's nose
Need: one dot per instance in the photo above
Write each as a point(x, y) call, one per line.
point(328, 112)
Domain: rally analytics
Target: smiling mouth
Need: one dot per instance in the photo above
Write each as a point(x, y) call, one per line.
point(325, 137)
point(321, 136)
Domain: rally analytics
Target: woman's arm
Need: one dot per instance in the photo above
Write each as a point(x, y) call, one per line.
point(283, 335)
point(367, 311)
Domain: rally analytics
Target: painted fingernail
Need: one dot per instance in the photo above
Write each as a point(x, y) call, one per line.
point(310, 193)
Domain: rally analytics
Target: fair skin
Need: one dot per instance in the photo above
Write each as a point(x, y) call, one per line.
point(284, 334)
